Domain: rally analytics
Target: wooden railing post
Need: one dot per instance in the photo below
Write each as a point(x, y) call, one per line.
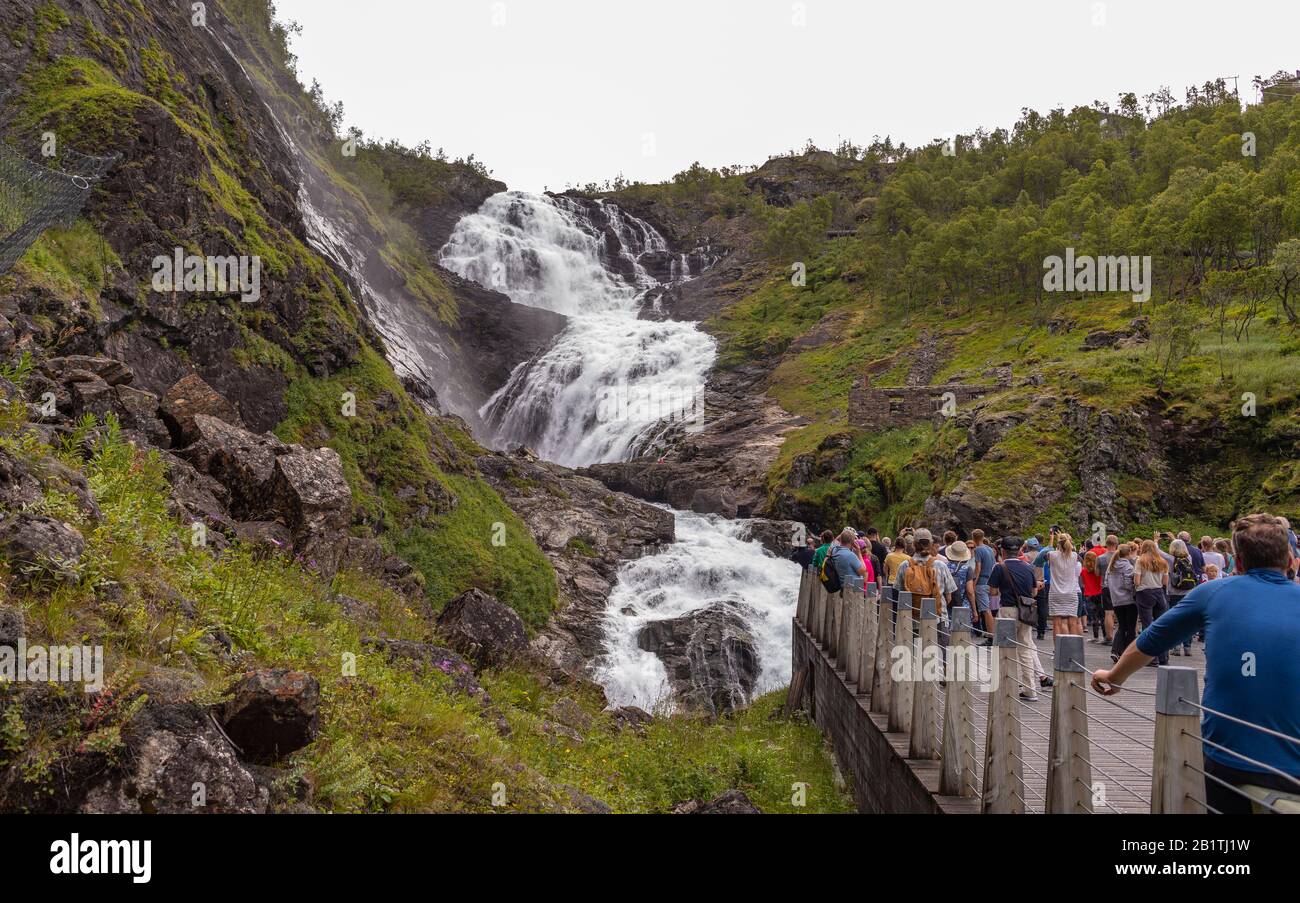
point(884, 642)
point(852, 635)
point(1176, 783)
point(805, 596)
point(833, 625)
point(957, 771)
point(867, 638)
point(925, 694)
point(1004, 782)
point(900, 691)
point(819, 613)
point(842, 650)
point(1069, 774)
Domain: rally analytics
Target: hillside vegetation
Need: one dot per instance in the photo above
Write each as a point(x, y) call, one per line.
point(940, 278)
point(405, 724)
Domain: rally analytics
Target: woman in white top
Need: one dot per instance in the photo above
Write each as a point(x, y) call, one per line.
point(1063, 594)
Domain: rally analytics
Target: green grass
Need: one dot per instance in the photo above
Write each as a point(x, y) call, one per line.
point(74, 263)
point(393, 739)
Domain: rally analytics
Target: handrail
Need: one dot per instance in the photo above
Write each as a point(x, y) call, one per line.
point(864, 632)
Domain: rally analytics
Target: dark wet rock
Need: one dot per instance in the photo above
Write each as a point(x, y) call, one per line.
point(586, 804)
point(723, 467)
point(138, 410)
point(733, 802)
point(776, 536)
point(188, 398)
point(13, 626)
point(483, 629)
point(59, 477)
point(355, 609)
point(559, 734)
point(241, 461)
point(585, 530)
point(94, 397)
point(710, 657)
point(272, 713)
point(990, 427)
point(363, 553)
point(309, 490)
point(84, 368)
point(35, 545)
point(196, 496)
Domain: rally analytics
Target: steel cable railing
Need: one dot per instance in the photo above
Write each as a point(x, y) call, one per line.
point(1077, 739)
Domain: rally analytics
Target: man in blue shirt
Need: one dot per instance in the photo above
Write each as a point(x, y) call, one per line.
point(1252, 669)
point(848, 565)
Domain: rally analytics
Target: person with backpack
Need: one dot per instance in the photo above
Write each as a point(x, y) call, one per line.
point(923, 576)
point(1182, 580)
point(958, 556)
point(1015, 584)
point(842, 567)
point(819, 556)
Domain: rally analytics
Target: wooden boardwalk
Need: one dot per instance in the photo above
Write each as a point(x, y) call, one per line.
point(1121, 738)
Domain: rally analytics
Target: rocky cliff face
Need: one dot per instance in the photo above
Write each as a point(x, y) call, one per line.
point(308, 421)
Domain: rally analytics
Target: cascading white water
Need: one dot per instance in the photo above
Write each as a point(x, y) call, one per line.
point(608, 380)
point(709, 563)
point(601, 393)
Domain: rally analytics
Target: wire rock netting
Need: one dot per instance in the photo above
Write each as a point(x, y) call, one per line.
point(34, 197)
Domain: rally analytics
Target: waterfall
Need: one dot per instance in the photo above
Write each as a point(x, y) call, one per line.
point(607, 383)
point(709, 564)
point(608, 386)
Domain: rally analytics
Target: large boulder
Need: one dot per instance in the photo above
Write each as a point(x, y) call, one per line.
point(710, 657)
point(483, 629)
point(272, 713)
point(35, 545)
point(777, 537)
point(241, 461)
point(309, 490)
point(733, 802)
point(82, 368)
point(179, 763)
point(138, 410)
point(188, 398)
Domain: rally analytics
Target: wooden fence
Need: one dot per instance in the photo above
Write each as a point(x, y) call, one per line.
point(896, 657)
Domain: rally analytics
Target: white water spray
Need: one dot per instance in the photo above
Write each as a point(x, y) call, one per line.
point(710, 563)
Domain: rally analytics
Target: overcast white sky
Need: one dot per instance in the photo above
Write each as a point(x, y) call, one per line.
point(551, 92)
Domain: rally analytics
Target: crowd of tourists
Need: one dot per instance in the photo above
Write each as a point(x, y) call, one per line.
point(1238, 597)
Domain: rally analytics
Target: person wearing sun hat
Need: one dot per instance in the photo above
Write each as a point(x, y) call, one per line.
point(959, 558)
